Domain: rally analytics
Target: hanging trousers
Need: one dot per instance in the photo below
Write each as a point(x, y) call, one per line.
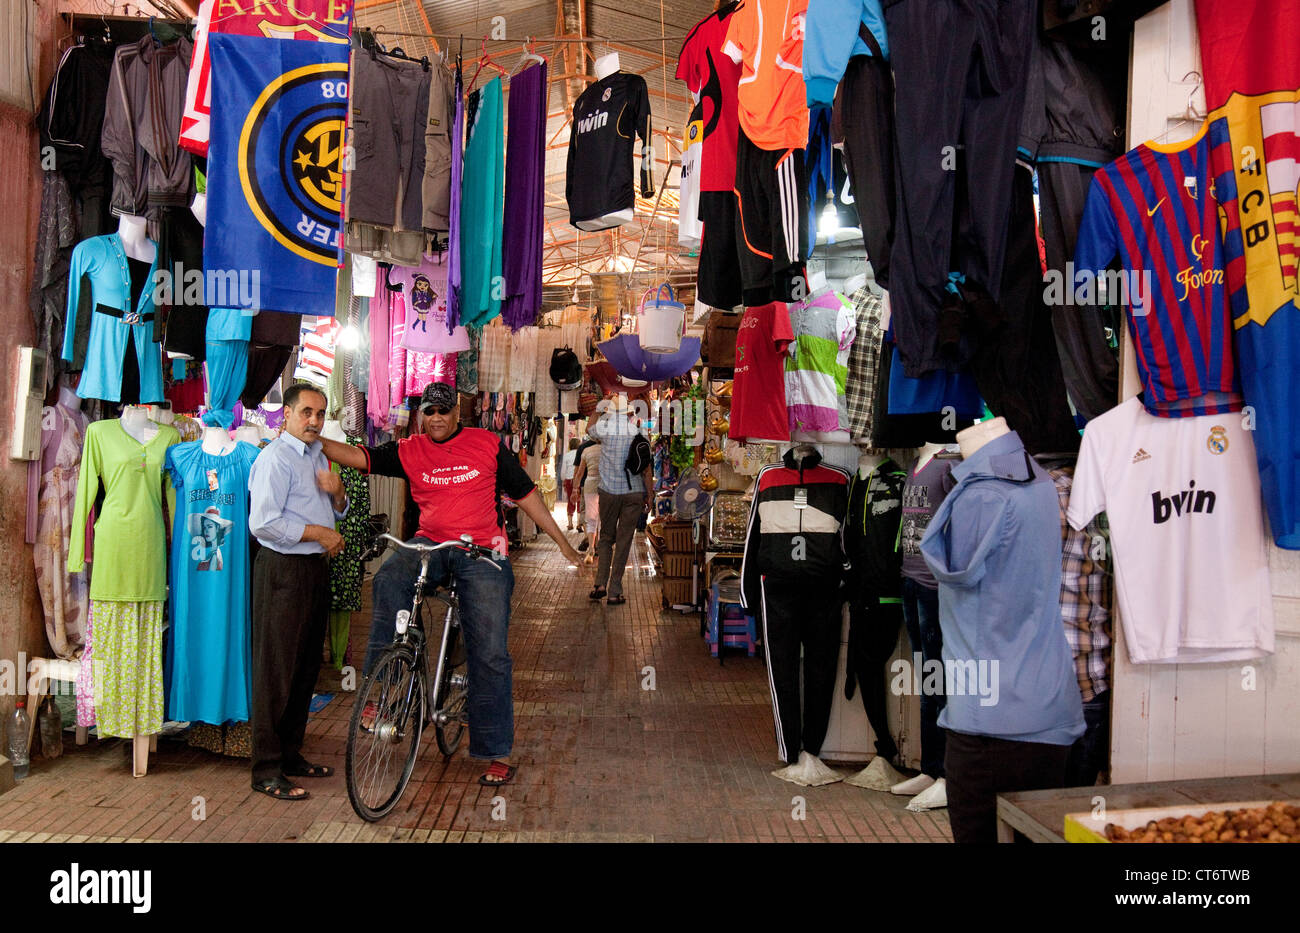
point(1089, 365)
point(1015, 362)
point(801, 614)
point(959, 76)
point(864, 103)
point(873, 635)
point(291, 600)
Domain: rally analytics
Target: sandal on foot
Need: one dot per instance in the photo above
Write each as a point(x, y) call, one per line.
point(616, 601)
point(280, 789)
point(502, 772)
point(305, 770)
point(597, 594)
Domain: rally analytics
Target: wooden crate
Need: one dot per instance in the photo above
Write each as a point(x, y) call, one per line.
point(678, 565)
point(679, 537)
point(676, 590)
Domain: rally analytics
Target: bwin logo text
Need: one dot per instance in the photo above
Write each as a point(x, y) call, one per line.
point(1181, 503)
point(593, 122)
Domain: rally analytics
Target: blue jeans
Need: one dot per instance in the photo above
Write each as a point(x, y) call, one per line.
point(1090, 753)
point(484, 620)
point(921, 615)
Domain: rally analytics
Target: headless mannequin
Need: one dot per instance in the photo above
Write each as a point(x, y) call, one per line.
point(136, 423)
point(606, 65)
point(868, 460)
point(248, 435)
point(333, 431)
point(977, 435)
point(817, 283)
point(217, 441)
point(135, 240)
point(162, 414)
point(927, 454)
point(68, 398)
point(200, 209)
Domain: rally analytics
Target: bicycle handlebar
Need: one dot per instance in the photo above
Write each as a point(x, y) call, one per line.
point(476, 551)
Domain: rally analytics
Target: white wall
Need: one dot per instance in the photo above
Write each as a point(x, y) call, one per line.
point(1192, 721)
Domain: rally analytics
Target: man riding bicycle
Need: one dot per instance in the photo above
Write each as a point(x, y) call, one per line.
point(457, 476)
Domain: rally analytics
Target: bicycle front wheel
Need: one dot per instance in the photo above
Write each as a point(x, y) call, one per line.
point(384, 734)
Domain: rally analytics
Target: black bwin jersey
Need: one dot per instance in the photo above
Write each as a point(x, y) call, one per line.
point(606, 118)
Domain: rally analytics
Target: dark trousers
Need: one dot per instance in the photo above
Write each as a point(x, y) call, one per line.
point(865, 104)
point(1015, 362)
point(980, 767)
point(801, 615)
point(921, 614)
point(1089, 365)
point(619, 515)
point(290, 610)
point(959, 77)
point(873, 634)
point(1090, 754)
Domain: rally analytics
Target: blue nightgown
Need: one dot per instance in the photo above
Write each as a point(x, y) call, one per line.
point(211, 584)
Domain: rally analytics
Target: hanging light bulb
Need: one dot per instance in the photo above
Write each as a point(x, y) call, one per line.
point(349, 338)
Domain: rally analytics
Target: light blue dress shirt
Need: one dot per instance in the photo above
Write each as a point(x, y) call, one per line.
point(285, 498)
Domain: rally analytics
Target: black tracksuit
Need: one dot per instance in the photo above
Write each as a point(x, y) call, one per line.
point(793, 569)
point(874, 590)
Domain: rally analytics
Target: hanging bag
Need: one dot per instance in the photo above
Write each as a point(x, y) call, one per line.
point(660, 322)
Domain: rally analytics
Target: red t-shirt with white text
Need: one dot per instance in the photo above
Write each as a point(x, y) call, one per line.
point(758, 408)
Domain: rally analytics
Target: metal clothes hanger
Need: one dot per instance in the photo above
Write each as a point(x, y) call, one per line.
point(1190, 114)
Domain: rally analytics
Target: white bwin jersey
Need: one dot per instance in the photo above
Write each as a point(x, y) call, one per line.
point(1189, 546)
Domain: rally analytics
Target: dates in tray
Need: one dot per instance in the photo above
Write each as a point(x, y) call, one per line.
point(1278, 822)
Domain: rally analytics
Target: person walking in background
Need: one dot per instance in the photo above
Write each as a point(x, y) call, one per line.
point(586, 483)
point(567, 469)
point(624, 497)
point(295, 501)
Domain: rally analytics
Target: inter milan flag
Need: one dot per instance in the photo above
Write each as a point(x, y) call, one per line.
point(275, 175)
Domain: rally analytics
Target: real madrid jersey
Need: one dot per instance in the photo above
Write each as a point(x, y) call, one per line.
point(1191, 556)
point(607, 118)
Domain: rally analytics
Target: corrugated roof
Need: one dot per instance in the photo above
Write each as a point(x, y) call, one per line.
point(568, 254)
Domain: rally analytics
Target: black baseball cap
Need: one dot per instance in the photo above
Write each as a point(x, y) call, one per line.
point(438, 396)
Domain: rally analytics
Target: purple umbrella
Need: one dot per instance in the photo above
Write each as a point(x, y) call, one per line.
point(628, 359)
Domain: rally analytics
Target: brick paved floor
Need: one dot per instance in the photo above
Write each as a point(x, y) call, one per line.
point(600, 758)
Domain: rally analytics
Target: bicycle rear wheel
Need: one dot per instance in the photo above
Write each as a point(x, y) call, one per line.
point(453, 695)
point(381, 755)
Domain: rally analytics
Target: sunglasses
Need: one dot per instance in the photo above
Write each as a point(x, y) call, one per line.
point(429, 408)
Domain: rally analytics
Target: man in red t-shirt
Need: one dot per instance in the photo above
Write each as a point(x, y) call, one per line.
point(457, 476)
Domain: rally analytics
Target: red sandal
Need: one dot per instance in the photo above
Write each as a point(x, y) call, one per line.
point(498, 769)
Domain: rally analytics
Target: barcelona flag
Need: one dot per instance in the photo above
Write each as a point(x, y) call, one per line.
point(275, 174)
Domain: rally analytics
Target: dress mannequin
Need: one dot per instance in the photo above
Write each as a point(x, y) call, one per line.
point(135, 240)
point(200, 208)
point(977, 435)
point(855, 283)
point(333, 431)
point(135, 422)
point(217, 441)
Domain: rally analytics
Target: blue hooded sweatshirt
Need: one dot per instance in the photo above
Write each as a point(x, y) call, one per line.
point(994, 545)
point(831, 39)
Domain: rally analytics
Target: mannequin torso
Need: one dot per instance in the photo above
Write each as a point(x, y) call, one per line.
point(217, 441)
point(977, 435)
point(249, 435)
point(135, 240)
point(136, 423)
point(927, 454)
point(606, 65)
point(868, 461)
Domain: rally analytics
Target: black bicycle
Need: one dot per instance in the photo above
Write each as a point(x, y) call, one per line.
point(393, 708)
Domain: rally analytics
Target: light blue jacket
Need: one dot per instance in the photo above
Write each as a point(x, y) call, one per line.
point(100, 263)
point(994, 545)
point(831, 39)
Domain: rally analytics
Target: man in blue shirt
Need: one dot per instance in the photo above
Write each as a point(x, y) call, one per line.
point(624, 497)
point(294, 503)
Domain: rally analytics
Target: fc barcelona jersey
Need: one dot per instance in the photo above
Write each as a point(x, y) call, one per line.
point(1154, 208)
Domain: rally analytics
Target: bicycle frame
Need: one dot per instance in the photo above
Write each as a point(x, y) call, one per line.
point(420, 641)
